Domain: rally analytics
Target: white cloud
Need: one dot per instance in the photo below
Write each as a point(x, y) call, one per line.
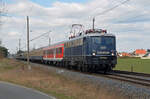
point(128, 22)
point(12, 33)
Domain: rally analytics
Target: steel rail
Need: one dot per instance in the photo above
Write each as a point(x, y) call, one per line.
point(131, 73)
point(139, 81)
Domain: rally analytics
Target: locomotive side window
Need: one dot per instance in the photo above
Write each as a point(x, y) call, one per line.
point(81, 42)
point(74, 43)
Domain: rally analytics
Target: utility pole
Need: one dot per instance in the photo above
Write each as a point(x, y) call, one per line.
point(28, 56)
point(16, 50)
point(93, 23)
point(19, 44)
point(49, 41)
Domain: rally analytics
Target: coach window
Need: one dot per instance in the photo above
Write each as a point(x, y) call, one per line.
point(56, 50)
point(48, 51)
point(44, 52)
point(51, 51)
point(60, 50)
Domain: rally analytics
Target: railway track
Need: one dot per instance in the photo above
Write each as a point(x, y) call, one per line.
point(132, 77)
point(131, 73)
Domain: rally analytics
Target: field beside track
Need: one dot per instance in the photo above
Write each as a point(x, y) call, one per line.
point(135, 64)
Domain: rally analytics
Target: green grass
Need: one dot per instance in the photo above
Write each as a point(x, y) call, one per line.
point(139, 65)
point(5, 65)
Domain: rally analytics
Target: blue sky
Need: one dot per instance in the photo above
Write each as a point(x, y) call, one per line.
point(47, 3)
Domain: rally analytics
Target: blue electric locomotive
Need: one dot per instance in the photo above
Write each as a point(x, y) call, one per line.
point(92, 51)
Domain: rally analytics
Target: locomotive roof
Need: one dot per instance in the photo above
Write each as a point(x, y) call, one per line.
point(91, 35)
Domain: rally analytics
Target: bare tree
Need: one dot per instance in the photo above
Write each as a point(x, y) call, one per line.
point(0, 42)
point(2, 10)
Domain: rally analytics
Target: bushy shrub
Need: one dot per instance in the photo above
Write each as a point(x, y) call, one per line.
point(3, 51)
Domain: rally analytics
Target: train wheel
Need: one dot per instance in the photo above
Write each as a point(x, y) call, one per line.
point(81, 69)
point(92, 68)
point(65, 64)
point(44, 62)
point(68, 65)
point(107, 69)
point(85, 68)
point(88, 68)
point(78, 67)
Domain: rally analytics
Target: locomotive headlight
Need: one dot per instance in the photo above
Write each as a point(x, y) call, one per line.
point(112, 54)
point(94, 54)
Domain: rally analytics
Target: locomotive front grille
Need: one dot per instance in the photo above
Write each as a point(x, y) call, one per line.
point(100, 60)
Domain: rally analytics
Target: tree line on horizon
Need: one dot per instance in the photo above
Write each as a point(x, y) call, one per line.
point(3, 51)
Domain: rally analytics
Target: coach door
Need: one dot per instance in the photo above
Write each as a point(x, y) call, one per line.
point(55, 53)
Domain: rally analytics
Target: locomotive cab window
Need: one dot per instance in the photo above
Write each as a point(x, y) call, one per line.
point(103, 43)
point(104, 40)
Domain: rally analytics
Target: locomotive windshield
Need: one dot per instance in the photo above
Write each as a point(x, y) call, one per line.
point(103, 43)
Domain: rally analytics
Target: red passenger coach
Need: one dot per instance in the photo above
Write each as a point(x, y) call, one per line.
point(54, 52)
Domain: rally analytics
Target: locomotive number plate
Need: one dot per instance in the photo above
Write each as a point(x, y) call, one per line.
point(103, 57)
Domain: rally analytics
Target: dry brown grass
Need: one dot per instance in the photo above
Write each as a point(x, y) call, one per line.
point(51, 83)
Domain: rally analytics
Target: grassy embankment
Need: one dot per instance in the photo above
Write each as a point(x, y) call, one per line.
point(50, 82)
point(139, 65)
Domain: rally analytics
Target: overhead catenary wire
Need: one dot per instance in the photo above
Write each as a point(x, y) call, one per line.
point(107, 10)
point(110, 9)
point(37, 37)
